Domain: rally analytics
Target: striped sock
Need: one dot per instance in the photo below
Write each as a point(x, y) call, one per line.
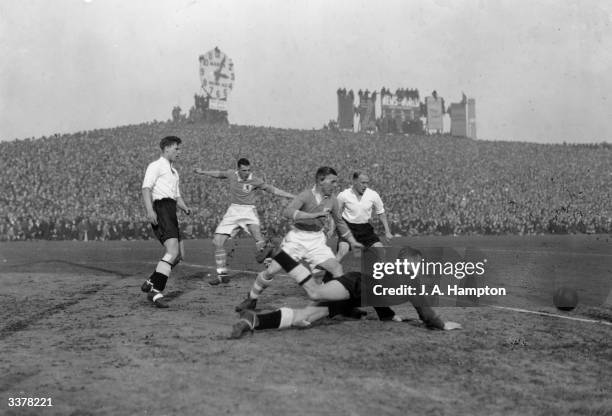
point(259, 285)
point(220, 261)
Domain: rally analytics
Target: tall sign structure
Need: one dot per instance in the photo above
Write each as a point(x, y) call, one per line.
point(217, 78)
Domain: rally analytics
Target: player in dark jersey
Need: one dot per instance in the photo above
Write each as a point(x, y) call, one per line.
point(334, 297)
point(310, 211)
point(241, 212)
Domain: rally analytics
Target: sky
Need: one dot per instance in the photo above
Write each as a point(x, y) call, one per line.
point(539, 70)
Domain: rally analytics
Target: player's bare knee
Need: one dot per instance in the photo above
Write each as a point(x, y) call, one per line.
point(219, 240)
point(172, 256)
point(173, 251)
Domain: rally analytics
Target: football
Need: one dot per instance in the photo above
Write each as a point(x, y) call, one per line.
point(565, 298)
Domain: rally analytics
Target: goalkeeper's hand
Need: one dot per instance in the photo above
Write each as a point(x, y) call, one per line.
point(449, 326)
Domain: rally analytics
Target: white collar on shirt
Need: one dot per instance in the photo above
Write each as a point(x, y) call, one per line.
point(359, 197)
point(169, 163)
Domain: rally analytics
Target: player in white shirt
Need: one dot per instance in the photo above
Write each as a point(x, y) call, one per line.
point(161, 194)
point(356, 205)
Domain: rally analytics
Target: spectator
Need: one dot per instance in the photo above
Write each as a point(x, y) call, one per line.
point(430, 184)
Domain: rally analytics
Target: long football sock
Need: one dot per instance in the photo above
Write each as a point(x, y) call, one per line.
point(162, 272)
point(259, 285)
point(220, 261)
point(269, 320)
point(159, 281)
point(281, 318)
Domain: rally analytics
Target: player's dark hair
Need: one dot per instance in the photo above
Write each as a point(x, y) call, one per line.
point(243, 162)
point(409, 253)
point(356, 175)
point(323, 172)
point(169, 141)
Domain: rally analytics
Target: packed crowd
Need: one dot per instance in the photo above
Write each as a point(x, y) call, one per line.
point(87, 185)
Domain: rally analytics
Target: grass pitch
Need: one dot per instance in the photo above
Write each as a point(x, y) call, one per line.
point(75, 327)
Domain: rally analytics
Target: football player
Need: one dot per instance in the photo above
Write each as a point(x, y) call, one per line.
point(161, 194)
point(306, 240)
point(356, 204)
point(241, 212)
point(334, 297)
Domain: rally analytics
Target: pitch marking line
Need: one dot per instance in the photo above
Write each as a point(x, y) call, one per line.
point(499, 250)
point(551, 252)
point(553, 315)
point(202, 266)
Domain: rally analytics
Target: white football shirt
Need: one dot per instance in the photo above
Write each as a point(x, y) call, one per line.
point(359, 210)
point(163, 180)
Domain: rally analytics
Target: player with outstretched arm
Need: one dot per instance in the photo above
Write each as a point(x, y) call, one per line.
point(241, 212)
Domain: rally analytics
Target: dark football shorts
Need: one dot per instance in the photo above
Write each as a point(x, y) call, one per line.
point(363, 233)
point(167, 222)
point(352, 282)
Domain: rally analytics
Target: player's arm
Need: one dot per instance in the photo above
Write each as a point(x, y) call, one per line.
point(380, 210)
point(220, 174)
point(331, 226)
point(277, 191)
point(385, 223)
point(341, 205)
point(181, 204)
point(342, 228)
point(148, 202)
point(151, 175)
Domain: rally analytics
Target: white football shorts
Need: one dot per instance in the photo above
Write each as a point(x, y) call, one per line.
point(310, 246)
point(237, 216)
